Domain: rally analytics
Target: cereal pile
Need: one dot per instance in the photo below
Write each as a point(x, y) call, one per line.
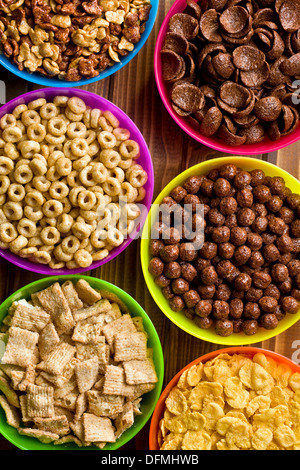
point(64, 168)
point(233, 403)
point(244, 272)
point(70, 40)
point(75, 367)
point(231, 68)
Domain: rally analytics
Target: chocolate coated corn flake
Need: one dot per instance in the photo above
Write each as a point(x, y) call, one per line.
point(246, 49)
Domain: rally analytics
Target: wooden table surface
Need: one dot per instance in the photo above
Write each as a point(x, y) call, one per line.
point(133, 89)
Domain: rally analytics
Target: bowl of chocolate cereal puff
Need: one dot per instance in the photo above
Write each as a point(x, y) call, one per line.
point(76, 181)
point(220, 250)
point(73, 44)
point(227, 72)
point(241, 398)
point(81, 365)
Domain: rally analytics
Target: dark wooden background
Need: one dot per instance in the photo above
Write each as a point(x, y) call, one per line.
point(133, 89)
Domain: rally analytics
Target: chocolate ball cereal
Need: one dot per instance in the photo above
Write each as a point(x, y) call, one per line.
point(246, 273)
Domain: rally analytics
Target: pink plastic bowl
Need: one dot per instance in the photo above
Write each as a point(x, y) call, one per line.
point(265, 146)
point(145, 160)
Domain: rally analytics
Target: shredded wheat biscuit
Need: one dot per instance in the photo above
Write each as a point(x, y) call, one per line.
point(75, 366)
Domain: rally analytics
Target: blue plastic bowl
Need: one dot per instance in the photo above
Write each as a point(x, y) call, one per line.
point(55, 82)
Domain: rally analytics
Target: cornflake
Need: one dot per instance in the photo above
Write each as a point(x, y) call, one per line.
point(75, 366)
point(233, 402)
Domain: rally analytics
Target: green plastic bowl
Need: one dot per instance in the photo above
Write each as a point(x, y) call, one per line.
point(149, 399)
point(178, 318)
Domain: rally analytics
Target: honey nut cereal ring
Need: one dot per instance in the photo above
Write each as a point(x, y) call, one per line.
point(8, 232)
point(21, 108)
point(38, 167)
point(117, 173)
point(28, 148)
point(81, 230)
point(54, 156)
point(86, 176)
point(111, 118)
point(34, 198)
point(112, 186)
point(60, 255)
point(48, 111)
point(64, 223)
point(77, 130)
point(52, 208)
point(73, 195)
point(7, 120)
point(99, 172)
point(36, 104)
point(66, 204)
point(18, 244)
point(89, 216)
point(99, 255)
point(110, 158)
point(94, 118)
point(107, 140)
point(33, 213)
point(36, 132)
point(54, 264)
point(41, 183)
point(23, 174)
point(52, 174)
point(128, 192)
point(141, 194)
point(73, 179)
point(91, 137)
point(42, 257)
point(124, 163)
point(55, 140)
point(98, 238)
point(11, 151)
point(73, 116)
point(12, 134)
point(114, 236)
point(83, 258)
point(57, 126)
point(35, 241)
point(6, 165)
point(16, 192)
point(60, 101)
point(81, 163)
point(4, 184)
point(50, 235)
point(13, 210)
point(27, 252)
point(132, 211)
point(26, 227)
point(79, 147)
point(137, 176)
point(70, 244)
point(129, 149)
point(121, 134)
point(86, 199)
point(58, 190)
point(30, 116)
point(76, 105)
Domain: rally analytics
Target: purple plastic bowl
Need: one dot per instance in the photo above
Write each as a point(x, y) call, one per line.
point(145, 160)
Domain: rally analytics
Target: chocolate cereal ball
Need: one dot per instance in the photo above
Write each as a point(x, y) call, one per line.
point(224, 327)
point(269, 321)
point(290, 305)
point(243, 282)
point(203, 308)
point(156, 266)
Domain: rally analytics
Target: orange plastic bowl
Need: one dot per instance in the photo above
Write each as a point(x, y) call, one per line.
point(249, 351)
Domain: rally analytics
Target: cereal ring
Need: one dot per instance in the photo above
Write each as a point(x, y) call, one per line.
point(11, 151)
point(86, 200)
point(114, 236)
point(12, 134)
point(23, 174)
point(36, 132)
point(26, 227)
point(70, 244)
point(86, 176)
point(18, 244)
point(50, 235)
point(76, 105)
point(81, 230)
point(107, 140)
point(8, 233)
point(48, 111)
point(13, 210)
point(36, 104)
point(52, 208)
point(42, 257)
point(57, 126)
point(129, 149)
point(83, 258)
point(110, 158)
point(41, 183)
point(33, 213)
point(128, 192)
point(16, 192)
point(77, 130)
point(112, 186)
point(58, 190)
point(136, 176)
point(34, 198)
point(99, 255)
point(4, 184)
point(79, 147)
point(30, 117)
point(7, 120)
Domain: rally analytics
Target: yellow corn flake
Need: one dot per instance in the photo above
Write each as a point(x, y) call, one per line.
point(196, 440)
point(233, 403)
point(262, 438)
point(176, 402)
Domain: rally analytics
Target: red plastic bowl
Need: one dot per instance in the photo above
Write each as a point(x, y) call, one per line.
point(145, 160)
point(265, 146)
point(249, 351)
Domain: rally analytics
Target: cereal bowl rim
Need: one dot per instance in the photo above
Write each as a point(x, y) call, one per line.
point(249, 351)
point(178, 318)
point(145, 159)
point(213, 142)
point(55, 82)
point(150, 399)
